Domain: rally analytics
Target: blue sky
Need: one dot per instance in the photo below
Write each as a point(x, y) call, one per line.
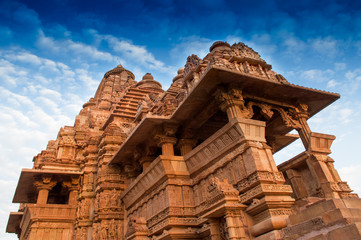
point(53, 55)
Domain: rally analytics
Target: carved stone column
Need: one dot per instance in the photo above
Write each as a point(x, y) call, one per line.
point(167, 144)
point(186, 145)
point(234, 225)
point(73, 187)
point(44, 185)
point(214, 228)
point(146, 161)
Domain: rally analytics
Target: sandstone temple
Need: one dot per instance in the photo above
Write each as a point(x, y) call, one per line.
point(192, 162)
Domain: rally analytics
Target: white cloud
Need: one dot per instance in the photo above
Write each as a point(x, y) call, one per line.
point(352, 175)
point(135, 53)
point(332, 83)
point(345, 114)
point(317, 75)
point(191, 45)
point(326, 46)
point(340, 66)
point(24, 57)
point(353, 80)
point(49, 93)
point(76, 49)
point(9, 74)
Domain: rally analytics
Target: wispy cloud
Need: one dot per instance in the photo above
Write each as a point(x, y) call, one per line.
point(190, 45)
point(135, 53)
point(317, 75)
point(353, 177)
point(326, 46)
point(69, 47)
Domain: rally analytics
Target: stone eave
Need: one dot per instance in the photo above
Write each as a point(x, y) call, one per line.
point(252, 86)
point(141, 134)
point(26, 186)
point(14, 222)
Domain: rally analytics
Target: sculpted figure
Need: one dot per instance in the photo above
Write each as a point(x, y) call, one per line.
point(85, 209)
point(107, 200)
point(96, 204)
point(104, 233)
point(84, 234)
point(119, 230)
point(95, 232)
point(112, 230)
point(114, 198)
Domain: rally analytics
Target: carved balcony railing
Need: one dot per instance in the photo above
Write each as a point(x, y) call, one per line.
point(148, 195)
point(61, 216)
point(49, 211)
point(225, 139)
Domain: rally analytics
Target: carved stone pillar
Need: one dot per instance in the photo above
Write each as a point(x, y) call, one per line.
point(146, 161)
point(233, 220)
point(44, 186)
point(232, 102)
point(167, 144)
point(73, 187)
point(214, 228)
point(186, 145)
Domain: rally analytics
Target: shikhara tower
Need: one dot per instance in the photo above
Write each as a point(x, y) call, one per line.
point(193, 162)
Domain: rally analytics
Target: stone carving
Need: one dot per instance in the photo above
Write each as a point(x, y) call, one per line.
point(114, 199)
point(242, 50)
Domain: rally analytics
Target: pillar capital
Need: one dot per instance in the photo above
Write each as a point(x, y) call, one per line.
point(164, 139)
point(72, 186)
point(167, 144)
point(45, 182)
point(232, 102)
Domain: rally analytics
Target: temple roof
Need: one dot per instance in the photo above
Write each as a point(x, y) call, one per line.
point(236, 66)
